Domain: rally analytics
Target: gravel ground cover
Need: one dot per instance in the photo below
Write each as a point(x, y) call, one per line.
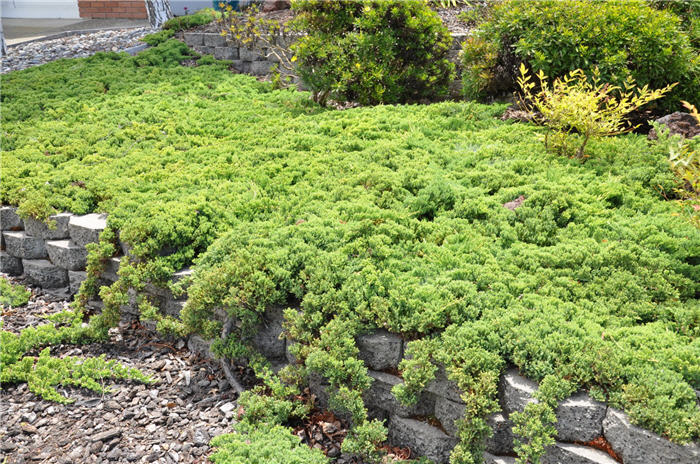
point(38, 52)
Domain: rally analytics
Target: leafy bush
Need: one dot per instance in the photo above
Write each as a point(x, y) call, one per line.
point(158, 37)
point(13, 295)
point(372, 52)
point(621, 39)
point(182, 23)
point(169, 53)
point(573, 103)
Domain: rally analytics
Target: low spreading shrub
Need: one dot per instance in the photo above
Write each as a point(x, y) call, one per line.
point(200, 18)
point(621, 39)
point(13, 295)
point(158, 37)
point(372, 52)
point(386, 217)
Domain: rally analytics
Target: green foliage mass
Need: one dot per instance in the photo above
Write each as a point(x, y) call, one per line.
point(158, 37)
point(372, 52)
point(199, 18)
point(622, 38)
point(13, 295)
point(387, 217)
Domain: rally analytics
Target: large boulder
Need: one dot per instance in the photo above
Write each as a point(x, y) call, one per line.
point(274, 5)
point(678, 123)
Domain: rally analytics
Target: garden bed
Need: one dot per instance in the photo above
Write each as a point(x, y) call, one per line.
point(397, 218)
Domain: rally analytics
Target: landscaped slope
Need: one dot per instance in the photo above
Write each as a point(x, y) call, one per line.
point(391, 216)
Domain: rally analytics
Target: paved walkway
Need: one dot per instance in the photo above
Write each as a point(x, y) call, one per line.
point(23, 30)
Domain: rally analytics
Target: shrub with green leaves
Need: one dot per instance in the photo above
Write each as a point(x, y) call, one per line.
point(199, 18)
point(385, 217)
point(12, 294)
point(372, 52)
point(621, 38)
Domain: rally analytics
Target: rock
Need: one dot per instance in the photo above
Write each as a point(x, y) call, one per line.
point(107, 435)
point(580, 418)
point(448, 412)
point(44, 274)
point(442, 386)
point(567, 453)
point(267, 338)
point(75, 278)
point(248, 54)
point(513, 205)
point(491, 459)
point(200, 437)
point(198, 345)
point(66, 255)
point(423, 439)
point(194, 39)
point(86, 229)
point(21, 245)
point(58, 230)
point(678, 123)
point(150, 428)
point(111, 269)
point(10, 265)
point(260, 68)
point(516, 113)
point(225, 53)
point(227, 407)
point(516, 391)
point(380, 350)
point(380, 396)
point(501, 442)
point(274, 5)
point(214, 40)
point(636, 445)
point(9, 220)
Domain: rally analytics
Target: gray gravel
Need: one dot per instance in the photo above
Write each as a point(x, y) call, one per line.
point(34, 53)
point(170, 421)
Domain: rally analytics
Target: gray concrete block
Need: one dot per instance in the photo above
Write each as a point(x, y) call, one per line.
point(580, 418)
point(44, 274)
point(267, 339)
point(442, 386)
point(491, 459)
point(379, 396)
point(448, 413)
point(225, 53)
point(501, 442)
point(75, 279)
point(10, 265)
point(111, 269)
point(214, 40)
point(423, 439)
point(568, 453)
point(516, 391)
point(9, 220)
point(291, 359)
point(66, 255)
point(260, 68)
point(194, 39)
point(248, 54)
point(58, 229)
point(198, 345)
point(636, 445)
point(21, 245)
point(174, 307)
point(86, 229)
point(380, 350)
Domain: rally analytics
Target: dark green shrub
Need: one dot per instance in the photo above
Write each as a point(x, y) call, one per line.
point(373, 52)
point(158, 37)
point(622, 39)
point(12, 295)
point(169, 53)
point(200, 18)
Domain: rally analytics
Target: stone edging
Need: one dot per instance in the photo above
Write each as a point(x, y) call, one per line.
point(55, 259)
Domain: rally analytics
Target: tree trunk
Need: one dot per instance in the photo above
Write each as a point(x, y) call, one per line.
point(3, 47)
point(158, 12)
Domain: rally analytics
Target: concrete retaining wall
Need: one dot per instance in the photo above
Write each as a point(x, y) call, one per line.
point(54, 258)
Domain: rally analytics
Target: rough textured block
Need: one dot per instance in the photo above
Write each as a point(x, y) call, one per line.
point(580, 418)
point(44, 274)
point(66, 255)
point(174, 307)
point(86, 229)
point(260, 68)
point(9, 220)
point(380, 396)
point(491, 459)
point(75, 278)
point(448, 413)
point(638, 446)
point(194, 39)
point(110, 272)
point(197, 344)
point(567, 453)
point(501, 442)
point(291, 359)
point(21, 245)
point(267, 339)
point(442, 386)
point(516, 391)
point(423, 439)
point(248, 54)
point(380, 350)
point(214, 40)
point(225, 53)
point(10, 265)
point(58, 229)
